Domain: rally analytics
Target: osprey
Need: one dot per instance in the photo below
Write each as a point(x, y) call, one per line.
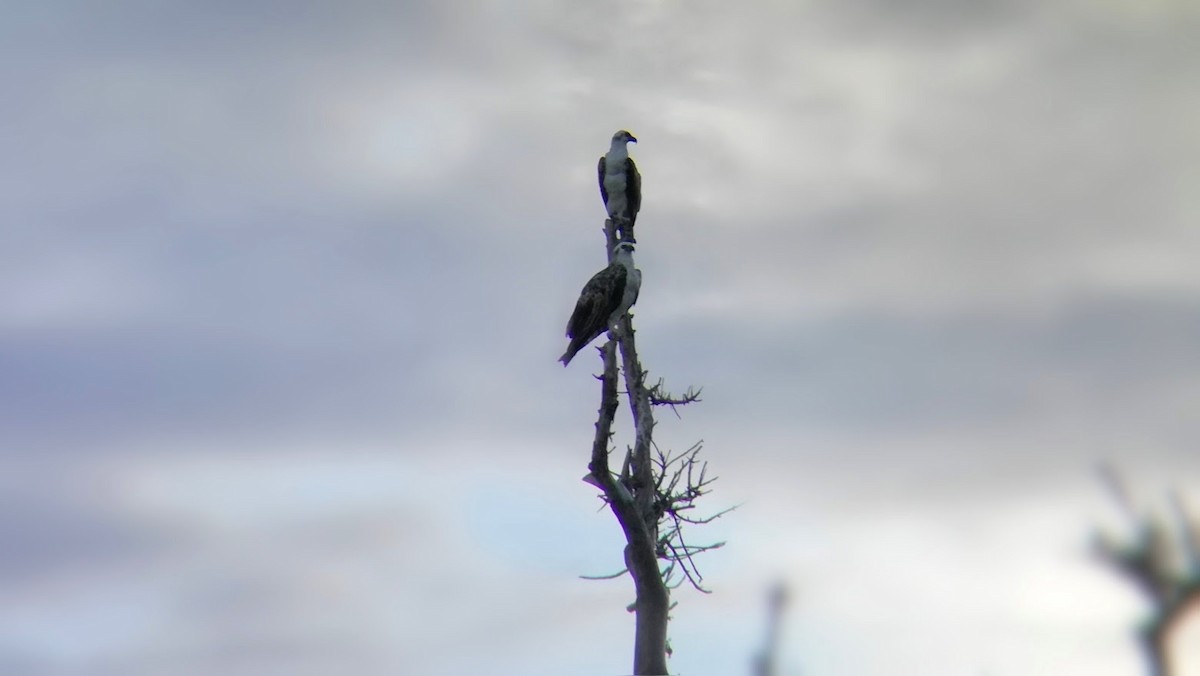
point(605, 298)
point(620, 182)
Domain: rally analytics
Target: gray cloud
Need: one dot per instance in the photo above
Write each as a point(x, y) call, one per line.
point(47, 537)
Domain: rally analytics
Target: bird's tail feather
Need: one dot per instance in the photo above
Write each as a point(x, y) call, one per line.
point(568, 355)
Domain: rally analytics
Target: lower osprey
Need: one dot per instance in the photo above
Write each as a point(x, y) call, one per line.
point(606, 297)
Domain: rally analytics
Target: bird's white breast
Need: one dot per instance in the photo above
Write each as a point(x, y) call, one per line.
point(614, 177)
point(633, 283)
point(614, 184)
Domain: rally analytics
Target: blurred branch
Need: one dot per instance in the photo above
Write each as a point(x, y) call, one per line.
point(767, 661)
point(1160, 557)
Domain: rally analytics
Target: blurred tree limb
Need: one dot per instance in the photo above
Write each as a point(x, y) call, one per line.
point(1161, 558)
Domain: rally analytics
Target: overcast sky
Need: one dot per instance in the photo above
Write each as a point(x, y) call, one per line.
point(282, 286)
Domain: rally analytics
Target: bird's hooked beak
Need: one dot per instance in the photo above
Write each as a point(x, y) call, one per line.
point(631, 138)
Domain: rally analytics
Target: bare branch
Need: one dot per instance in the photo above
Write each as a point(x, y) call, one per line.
point(612, 576)
point(684, 557)
point(1161, 561)
point(598, 467)
point(1188, 531)
point(1115, 484)
point(660, 397)
point(707, 519)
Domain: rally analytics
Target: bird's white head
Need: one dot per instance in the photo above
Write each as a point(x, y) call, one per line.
point(623, 137)
point(623, 249)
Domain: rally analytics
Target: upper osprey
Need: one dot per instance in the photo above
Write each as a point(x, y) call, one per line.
point(605, 298)
point(620, 182)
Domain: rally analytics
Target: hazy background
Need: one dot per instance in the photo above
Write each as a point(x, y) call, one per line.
point(282, 285)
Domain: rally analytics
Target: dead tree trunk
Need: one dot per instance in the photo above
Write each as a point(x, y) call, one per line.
point(650, 487)
point(633, 504)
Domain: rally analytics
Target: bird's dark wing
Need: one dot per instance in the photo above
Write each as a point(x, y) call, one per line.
point(633, 188)
point(600, 173)
point(600, 296)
